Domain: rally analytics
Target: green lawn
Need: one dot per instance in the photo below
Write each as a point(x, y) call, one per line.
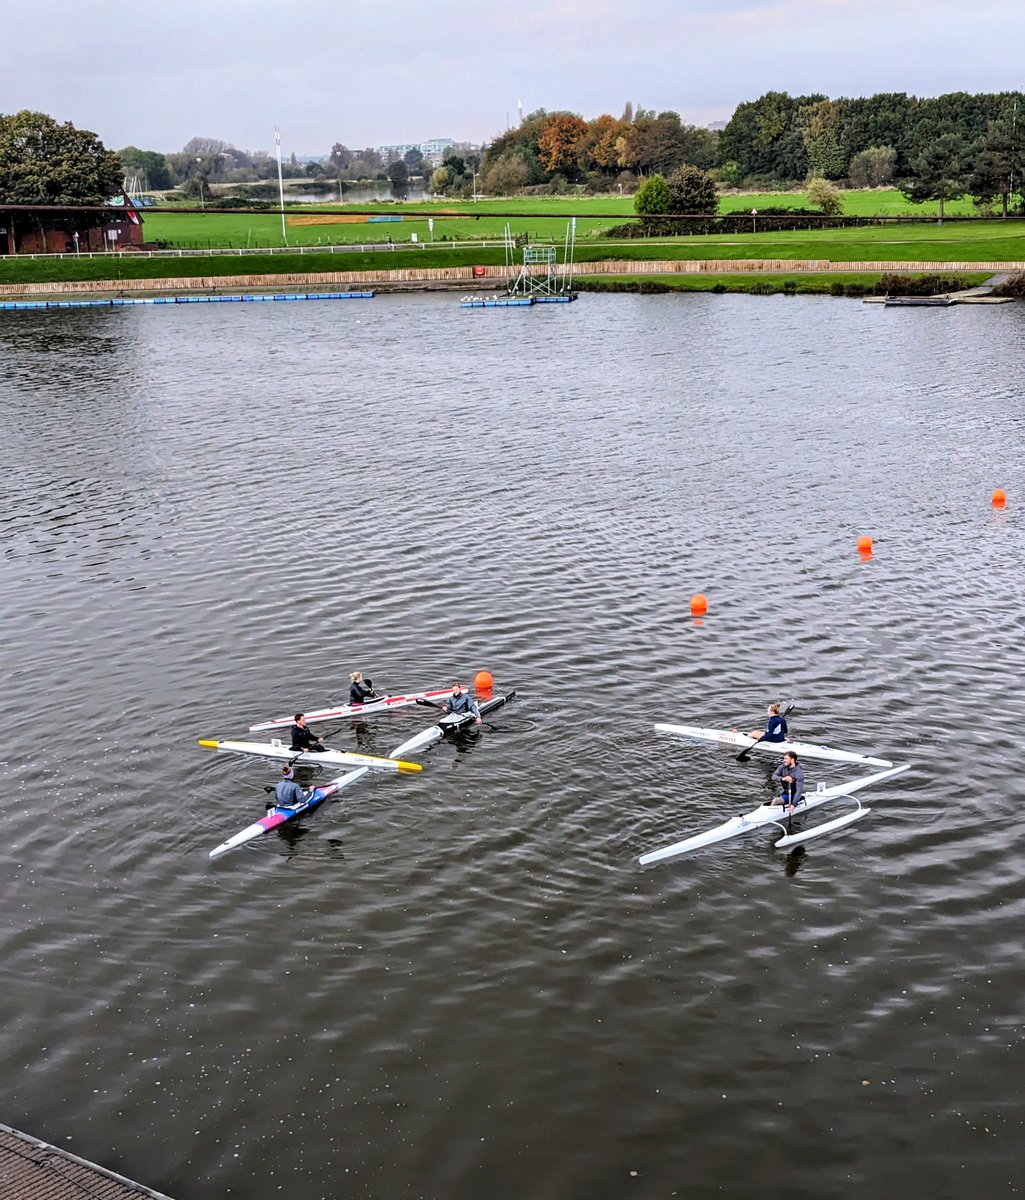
point(951, 242)
point(540, 217)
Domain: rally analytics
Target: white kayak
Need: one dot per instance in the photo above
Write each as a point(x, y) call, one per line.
point(277, 817)
point(730, 737)
point(450, 724)
point(384, 704)
point(327, 758)
point(776, 814)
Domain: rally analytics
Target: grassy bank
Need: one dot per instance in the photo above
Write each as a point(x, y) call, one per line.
point(953, 243)
point(818, 284)
point(539, 216)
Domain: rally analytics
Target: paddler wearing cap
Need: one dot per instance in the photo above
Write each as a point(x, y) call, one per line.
point(287, 793)
point(462, 702)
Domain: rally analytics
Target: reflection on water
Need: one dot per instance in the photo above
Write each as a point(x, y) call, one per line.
point(461, 984)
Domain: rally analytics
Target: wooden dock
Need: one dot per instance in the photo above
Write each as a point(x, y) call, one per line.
point(35, 1170)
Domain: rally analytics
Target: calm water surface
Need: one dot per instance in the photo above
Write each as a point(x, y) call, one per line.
point(462, 985)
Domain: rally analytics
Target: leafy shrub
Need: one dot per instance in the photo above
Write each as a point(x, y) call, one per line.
point(1013, 286)
point(920, 285)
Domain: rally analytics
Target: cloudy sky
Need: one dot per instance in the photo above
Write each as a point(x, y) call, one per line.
point(368, 72)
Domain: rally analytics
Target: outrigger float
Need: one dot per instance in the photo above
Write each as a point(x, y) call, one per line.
point(777, 814)
point(276, 817)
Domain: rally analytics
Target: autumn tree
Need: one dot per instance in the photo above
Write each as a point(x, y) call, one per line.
point(341, 157)
point(692, 190)
point(558, 141)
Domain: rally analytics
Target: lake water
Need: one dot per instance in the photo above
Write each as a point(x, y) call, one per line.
point(359, 195)
point(462, 985)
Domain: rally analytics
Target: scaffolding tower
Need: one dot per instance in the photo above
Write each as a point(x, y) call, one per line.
point(540, 278)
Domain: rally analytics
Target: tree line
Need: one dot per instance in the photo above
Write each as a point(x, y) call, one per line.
point(935, 149)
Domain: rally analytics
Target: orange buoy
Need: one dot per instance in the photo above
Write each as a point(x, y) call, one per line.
point(483, 681)
point(865, 544)
point(999, 498)
point(698, 605)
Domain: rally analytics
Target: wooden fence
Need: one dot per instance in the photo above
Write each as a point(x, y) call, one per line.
point(466, 277)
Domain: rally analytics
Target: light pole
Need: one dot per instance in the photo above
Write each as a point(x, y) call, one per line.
point(474, 173)
point(281, 186)
point(202, 202)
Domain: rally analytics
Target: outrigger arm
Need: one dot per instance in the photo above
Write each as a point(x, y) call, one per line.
point(795, 839)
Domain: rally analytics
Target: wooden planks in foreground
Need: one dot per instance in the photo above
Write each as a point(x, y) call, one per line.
point(35, 1170)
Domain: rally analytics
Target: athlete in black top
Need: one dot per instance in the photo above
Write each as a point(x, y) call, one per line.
point(303, 738)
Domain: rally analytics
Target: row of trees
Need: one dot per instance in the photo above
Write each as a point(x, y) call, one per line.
point(562, 148)
point(935, 148)
point(205, 162)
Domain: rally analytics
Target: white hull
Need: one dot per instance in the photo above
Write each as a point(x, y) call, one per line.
point(768, 814)
point(421, 741)
point(274, 819)
point(385, 704)
point(329, 758)
point(740, 741)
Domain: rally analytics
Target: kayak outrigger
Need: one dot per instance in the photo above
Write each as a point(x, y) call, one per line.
point(775, 814)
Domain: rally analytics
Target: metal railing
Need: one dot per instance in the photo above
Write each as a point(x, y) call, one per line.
point(242, 251)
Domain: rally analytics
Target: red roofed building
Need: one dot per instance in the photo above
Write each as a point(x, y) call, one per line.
point(64, 229)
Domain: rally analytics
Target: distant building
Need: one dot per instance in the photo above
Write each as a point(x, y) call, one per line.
point(433, 150)
point(61, 229)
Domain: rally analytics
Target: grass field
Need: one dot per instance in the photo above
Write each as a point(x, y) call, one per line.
point(539, 217)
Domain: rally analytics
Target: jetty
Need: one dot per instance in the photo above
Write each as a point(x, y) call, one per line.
point(34, 1170)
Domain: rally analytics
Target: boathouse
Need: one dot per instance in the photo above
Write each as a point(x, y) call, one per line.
point(67, 229)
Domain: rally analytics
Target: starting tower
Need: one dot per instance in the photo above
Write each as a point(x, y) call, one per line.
point(540, 279)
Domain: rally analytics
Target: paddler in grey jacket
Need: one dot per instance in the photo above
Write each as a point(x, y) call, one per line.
point(462, 702)
point(287, 793)
point(790, 777)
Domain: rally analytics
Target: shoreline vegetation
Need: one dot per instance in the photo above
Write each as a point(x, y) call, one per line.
point(197, 249)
